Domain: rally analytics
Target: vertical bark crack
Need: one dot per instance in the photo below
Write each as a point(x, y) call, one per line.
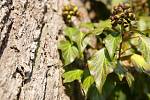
point(28, 79)
point(5, 40)
point(45, 86)
point(38, 45)
point(7, 22)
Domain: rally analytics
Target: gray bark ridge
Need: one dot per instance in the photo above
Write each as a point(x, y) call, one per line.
point(29, 61)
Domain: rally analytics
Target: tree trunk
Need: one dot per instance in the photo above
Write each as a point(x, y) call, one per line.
point(29, 62)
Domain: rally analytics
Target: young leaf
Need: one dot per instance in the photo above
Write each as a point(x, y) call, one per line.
point(112, 42)
point(145, 48)
point(99, 67)
point(79, 41)
point(101, 26)
point(76, 36)
point(70, 76)
point(69, 52)
point(87, 83)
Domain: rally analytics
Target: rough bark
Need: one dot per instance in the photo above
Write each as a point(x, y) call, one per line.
point(29, 61)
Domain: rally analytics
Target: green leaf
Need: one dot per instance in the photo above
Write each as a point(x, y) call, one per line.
point(99, 67)
point(120, 71)
point(144, 23)
point(76, 36)
point(109, 85)
point(140, 62)
point(93, 94)
point(71, 33)
point(79, 40)
point(116, 2)
point(148, 95)
point(70, 76)
point(87, 83)
point(120, 95)
point(112, 42)
point(88, 25)
point(101, 26)
point(69, 52)
point(145, 48)
point(129, 78)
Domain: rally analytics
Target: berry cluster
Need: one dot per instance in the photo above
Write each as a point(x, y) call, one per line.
point(69, 11)
point(122, 15)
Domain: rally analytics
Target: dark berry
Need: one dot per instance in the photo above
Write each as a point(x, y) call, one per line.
point(120, 21)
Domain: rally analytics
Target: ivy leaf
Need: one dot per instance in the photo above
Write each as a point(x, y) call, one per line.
point(87, 83)
point(101, 26)
point(140, 62)
point(88, 25)
point(120, 95)
point(145, 48)
point(79, 41)
point(69, 52)
point(144, 23)
point(75, 35)
point(129, 78)
point(116, 2)
point(99, 66)
point(120, 70)
point(148, 95)
point(71, 33)
point(70, 76)
point(111, 42)
point(94, 94)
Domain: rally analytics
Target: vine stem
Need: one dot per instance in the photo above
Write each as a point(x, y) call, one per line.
point(120, 50)
point(120, 46)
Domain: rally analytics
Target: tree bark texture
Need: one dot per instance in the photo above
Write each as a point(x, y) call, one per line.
point(29, 61)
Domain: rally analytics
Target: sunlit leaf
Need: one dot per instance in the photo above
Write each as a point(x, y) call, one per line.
point(145, 48)
point(129, 78)
point(112, 42)
point(127, 50)
point(144, 23)
point(101, 26)
point(148, 94)
point(99, 67)
point(70, 76)
point(71, 33)
point(89, 25)
point(79, 41)
point(87, 83)
point(69, 52)
point(140, 62)
point(116, 2)
point(76, 36)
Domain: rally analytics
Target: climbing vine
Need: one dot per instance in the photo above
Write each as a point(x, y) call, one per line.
point(111, 57)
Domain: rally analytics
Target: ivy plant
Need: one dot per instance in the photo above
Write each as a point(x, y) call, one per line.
point(121, 51)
